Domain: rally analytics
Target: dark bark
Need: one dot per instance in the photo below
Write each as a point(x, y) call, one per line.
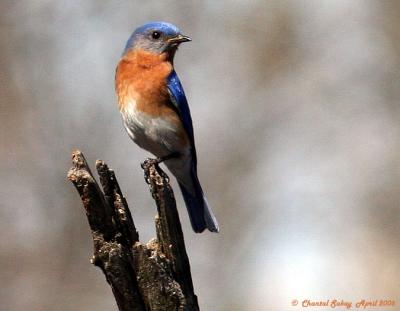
point(153, 276)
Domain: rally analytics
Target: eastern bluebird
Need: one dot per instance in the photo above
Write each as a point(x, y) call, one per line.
point(156, 114)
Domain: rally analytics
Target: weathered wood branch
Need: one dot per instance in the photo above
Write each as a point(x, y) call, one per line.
point(153, 276)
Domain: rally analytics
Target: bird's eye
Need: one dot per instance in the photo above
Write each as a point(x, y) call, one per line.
point(156, 35)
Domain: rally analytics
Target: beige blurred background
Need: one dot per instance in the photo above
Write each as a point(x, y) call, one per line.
point(297, 123)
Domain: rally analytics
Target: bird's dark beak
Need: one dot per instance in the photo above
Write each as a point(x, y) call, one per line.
point(179, 39)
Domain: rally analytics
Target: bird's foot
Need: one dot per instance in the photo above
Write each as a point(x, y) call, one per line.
point(150, 161)
point(149, 165)
point(146, 165)
point(155, 162)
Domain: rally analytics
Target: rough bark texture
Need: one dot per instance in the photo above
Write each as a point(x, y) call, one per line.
point(153, 276)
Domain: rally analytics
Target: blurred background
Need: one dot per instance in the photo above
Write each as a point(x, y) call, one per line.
point(297, 123)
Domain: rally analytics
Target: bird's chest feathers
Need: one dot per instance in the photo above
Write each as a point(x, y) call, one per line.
point(144, 102)
point(141, 81)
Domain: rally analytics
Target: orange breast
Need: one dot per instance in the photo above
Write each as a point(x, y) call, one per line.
point(141, 78)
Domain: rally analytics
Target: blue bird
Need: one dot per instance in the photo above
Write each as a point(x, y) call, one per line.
point(156, 114)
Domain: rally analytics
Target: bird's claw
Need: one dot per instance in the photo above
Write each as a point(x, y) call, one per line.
point(153, 162)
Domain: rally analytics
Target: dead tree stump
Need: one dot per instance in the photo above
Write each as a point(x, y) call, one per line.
point(153, 276)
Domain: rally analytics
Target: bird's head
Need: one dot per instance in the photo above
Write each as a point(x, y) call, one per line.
point(156, 37)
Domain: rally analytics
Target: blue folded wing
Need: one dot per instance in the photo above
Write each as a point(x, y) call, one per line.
point(200, 213)
point(178, 99)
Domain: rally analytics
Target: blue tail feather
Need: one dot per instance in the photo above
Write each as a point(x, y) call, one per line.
point(200, 213)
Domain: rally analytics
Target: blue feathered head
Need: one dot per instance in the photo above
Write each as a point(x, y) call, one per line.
point(156, 37)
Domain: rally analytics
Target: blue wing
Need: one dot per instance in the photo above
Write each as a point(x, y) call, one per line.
point(178, 99)
point(200, 213)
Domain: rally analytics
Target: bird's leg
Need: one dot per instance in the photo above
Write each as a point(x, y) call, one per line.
point(149, 161)
point(164, 158)
point(172, 155)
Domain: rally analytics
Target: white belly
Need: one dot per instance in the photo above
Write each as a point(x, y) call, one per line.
point(161, 138)
point(156, 135)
